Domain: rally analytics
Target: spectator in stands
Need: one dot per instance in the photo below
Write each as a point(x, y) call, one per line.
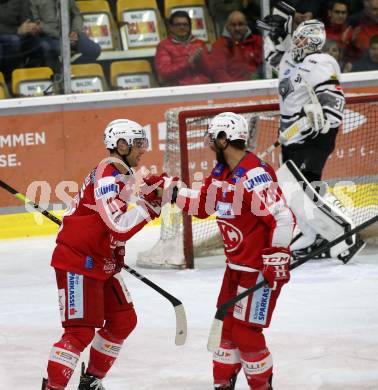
point(334, 49)
point(366, 23)
point(369, 60)
point(16, 35)
point(220, 9)
point(338, 30)
point(237, 54)
point(182, 59)
point(46, 12)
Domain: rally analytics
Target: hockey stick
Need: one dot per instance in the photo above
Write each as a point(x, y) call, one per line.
point(217, 325)
point(181, 323)
point(270, 149)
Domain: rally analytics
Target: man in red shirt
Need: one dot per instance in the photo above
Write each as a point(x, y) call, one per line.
point(237, 54)
point(182, 59)
point(256, 226)
point(338, 30)
point(89, 255)
point(366, 23)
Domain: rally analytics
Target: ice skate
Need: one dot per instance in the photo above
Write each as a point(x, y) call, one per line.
point(231, 385)
point(89, 382)
point(299, 250)
point(352, 251)
point(44, 384)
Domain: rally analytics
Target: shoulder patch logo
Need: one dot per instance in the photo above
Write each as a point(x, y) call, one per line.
point(285, 88)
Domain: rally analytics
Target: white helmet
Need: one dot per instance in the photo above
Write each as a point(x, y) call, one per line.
point(308, 38)
point(234, 125)
point(132, 132)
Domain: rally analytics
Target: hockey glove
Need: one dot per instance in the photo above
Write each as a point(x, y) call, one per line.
point(276, 262)
point(279, 24)
point(276, 26)
point(152, 184)
point(119, 256)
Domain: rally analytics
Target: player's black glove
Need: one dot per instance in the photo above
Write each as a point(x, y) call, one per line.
point(276, 26)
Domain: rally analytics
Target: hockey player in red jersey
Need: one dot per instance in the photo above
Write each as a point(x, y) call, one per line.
point(89, 255)
point(256, 226)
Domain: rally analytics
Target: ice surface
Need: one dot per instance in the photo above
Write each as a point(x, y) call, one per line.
point(324, 334)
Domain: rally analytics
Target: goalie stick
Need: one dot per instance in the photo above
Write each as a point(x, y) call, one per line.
point(181, 323)
point(217, 325)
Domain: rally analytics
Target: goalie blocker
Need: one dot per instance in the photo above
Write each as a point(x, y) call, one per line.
point(315, 215)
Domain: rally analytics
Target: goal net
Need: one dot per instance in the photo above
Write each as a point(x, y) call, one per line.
point(351, 171)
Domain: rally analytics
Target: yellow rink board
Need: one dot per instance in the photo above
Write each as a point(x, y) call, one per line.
point(35, 224)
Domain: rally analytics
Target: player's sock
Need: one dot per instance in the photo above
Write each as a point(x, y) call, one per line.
point(104, 351)
point(226, 365)
point(62, 362)
point(258, 368)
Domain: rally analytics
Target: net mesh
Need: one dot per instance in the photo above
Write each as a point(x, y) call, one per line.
point(351, 170)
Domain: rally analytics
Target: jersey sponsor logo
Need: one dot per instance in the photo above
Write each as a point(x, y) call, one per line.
point(256, 177)
point(88, 262)
point(225, 210)
point(64, 357)
point(75, 295)
point(106, 189)
point(226, 356)
point(109, 265)
point(260, 304)
point(62, 304)
point(304, 69)
point(240, 307)
point(232, 236)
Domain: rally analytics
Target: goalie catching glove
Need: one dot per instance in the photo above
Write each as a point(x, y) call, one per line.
point(279, 24)
point(276, 262)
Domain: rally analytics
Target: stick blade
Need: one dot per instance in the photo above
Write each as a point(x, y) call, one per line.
point(181, 325)
point(215, 335)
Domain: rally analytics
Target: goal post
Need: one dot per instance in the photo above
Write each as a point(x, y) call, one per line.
point(351, 169)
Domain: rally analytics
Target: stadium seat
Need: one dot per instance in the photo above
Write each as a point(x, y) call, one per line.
point(141, 25)
point(202, 23)
point(99, 23)
point(32, 81)
point(4, 94)
point(86, 78)
point(132, 74)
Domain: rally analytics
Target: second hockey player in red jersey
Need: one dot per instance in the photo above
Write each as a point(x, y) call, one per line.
point(256, 226)
point(89, 255)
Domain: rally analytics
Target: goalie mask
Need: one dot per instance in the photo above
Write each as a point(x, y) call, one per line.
point(130, 131)
point(308, 38)
point(233, 125)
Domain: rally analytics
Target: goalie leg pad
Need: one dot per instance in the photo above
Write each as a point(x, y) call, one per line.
point(309, 207)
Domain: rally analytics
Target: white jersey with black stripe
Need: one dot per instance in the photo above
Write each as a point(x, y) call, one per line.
point(318, 71)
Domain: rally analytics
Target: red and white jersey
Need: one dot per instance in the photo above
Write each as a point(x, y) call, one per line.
point(99, 221)
point(250, 208)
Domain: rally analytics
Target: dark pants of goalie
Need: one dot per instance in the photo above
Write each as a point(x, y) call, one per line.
point(311, 155)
